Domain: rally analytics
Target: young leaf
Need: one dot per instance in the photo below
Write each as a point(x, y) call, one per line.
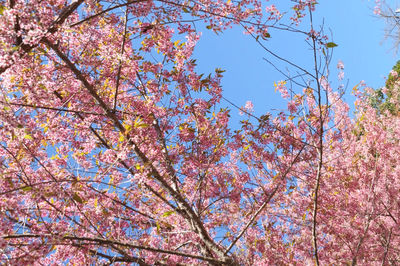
point(27, 136)
point(331, 45)
point(2, 8)
point(28, 188)
point(167, 213)
point(77, 198)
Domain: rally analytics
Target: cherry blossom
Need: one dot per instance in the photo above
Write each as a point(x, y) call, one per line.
point(115, 150)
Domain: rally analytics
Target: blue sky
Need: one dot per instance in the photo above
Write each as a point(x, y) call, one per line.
point(362, 48)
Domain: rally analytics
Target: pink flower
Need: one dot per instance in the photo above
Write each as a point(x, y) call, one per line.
point(341, 75)
point(340, 65)
point(248, 108)
point(292, 107)
point(394, 73)
point(281, 87)
point(378, 7)
point(272, 9)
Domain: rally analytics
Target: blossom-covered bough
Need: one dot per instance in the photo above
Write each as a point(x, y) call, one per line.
point(114, 150)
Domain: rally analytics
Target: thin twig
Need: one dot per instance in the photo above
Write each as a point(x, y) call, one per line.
point(91, 240)
point(270, 196)
point(319, 148)
point(104, 11)
point(120, 60)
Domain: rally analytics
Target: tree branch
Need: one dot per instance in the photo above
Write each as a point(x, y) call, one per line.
point(110, 242)
point(105, 11)
point(120, 60)
point(320, 148)
point(262, 207)
point(60, 20)
point(189, 213)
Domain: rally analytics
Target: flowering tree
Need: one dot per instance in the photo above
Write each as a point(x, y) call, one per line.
point(391, 14)
point(114, 150)
point(387, 97)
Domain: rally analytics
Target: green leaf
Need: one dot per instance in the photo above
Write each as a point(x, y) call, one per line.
point(77, 198)
point(209, 27)
point(2, 8)
point(142, 125)
point(158, 227)
point(267, 35)
point(168, 213)
point(27, 188)
point(331, 45)
point(27, 136)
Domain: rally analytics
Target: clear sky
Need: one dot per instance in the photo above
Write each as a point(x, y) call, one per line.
point(362, 48)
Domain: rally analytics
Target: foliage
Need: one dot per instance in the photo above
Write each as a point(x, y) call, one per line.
point(387, 99)
point(114, 150)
